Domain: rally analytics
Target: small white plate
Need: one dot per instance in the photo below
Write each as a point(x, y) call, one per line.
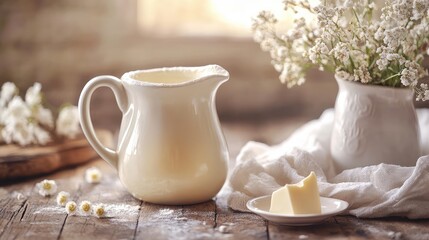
point(330, 207)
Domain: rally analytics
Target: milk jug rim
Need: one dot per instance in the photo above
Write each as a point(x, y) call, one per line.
point(191, 75)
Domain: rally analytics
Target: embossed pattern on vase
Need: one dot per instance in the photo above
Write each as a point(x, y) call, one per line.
point(351, 138)
point(374, 125)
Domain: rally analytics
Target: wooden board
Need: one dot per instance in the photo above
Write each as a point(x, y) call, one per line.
point(20, 162)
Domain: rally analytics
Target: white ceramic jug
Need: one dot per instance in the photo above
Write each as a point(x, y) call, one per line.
point(171, 149)
point(373, 125)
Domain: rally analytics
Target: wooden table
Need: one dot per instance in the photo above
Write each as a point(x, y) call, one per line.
point(24, 214)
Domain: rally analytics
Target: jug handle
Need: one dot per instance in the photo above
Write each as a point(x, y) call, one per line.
point(115, 84)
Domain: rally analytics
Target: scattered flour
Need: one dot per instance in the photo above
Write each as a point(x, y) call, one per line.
point(118, 210)
point(225, 228)
point(5, 194)
point(50, 210)
point(228, 224)
point(171, 214)
point(166, 211)
point(112, 210)
point(395, 235)
point(18, 195)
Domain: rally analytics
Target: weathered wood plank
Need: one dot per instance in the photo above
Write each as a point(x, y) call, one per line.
point(40, 217)
point(326, 230)
point(177, 222)
point(237, 225)
point(10, 205)
point(122, 210)
point(385, 228)
point(30, 222)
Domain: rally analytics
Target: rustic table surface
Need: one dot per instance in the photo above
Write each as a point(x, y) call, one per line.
point(24, 214)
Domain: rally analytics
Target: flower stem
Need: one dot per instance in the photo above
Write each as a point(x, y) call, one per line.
point(387, 79)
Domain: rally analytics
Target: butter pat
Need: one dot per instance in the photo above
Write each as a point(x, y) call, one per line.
point(299, 198)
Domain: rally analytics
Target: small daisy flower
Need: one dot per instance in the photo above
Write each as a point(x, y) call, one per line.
point(99, 210)
point(62, 198)
point(85, 208)
point(71, 208)
point(93, 175)
point(47, 187)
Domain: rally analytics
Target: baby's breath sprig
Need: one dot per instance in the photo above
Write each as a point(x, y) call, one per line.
point(347, 38)
point(25, 120)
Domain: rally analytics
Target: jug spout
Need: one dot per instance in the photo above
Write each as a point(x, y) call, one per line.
point(213, 73)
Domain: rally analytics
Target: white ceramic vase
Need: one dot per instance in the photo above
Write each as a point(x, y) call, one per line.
point(373, 125)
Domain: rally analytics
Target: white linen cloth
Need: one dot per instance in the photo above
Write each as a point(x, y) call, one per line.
point(373, 191)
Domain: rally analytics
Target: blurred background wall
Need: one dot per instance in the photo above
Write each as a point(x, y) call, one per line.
point(64, 43)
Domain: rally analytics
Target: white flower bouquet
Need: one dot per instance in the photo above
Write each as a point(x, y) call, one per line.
point(358, 40)
point(28, 122)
